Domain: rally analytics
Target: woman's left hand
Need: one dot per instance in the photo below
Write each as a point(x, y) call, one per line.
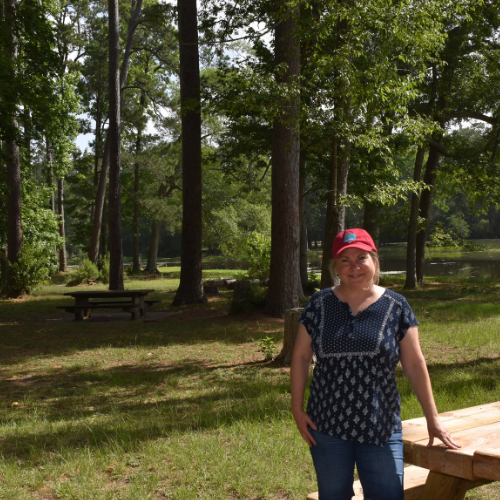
point(438, 430)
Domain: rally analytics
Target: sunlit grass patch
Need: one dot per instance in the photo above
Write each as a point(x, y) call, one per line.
point(185, 407)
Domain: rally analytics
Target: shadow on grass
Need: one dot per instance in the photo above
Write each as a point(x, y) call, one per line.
point(123, 407)
point(461, 381)
point(23, 341)
point(454, 311)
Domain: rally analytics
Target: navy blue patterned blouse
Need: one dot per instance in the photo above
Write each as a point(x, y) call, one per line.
point(353, 393)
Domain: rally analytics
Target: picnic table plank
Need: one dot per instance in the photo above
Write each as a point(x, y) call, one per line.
point(416, 429)
point(486, 463)
point(459, 462)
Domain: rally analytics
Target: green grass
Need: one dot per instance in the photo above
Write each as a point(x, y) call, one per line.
point(186, 407)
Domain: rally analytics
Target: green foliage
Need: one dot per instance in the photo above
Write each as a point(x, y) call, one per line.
point(440, 237)
point(104, 269)
point(29, 272)
point(267, 347)
point(85, 272)
point(40, 238)
point(258, 255)
point(254, 298)
point(313, 283)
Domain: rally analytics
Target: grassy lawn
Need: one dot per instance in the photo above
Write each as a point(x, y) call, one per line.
point(185, 407)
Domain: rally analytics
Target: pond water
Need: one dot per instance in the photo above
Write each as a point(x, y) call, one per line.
point(487, 267)
point(477, 265)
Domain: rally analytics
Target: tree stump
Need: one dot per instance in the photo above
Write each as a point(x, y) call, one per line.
point(284, 358)
point(211, 290)
point(241, 289)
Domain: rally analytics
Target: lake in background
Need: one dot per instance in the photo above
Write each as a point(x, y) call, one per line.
point(481, 265)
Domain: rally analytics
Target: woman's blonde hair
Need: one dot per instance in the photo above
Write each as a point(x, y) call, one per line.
point(373, 255)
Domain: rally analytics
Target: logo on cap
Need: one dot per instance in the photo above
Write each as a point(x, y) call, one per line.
point(348, 237)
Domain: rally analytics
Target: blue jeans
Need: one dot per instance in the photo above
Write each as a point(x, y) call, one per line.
point(380, 469)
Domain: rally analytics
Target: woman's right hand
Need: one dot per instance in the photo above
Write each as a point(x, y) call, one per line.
point(303, 421)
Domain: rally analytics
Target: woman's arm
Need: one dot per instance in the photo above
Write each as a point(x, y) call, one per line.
point(299, 373)
point(414, 366)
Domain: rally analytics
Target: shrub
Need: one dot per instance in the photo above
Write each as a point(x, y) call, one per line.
point(258, 255)
point(251, 296)
point(267, 347)
point(85, 272)
point(313, 283)
point(104, 270)
point(30, 270)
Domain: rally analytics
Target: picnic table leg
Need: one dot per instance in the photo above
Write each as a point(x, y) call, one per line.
point(137, 306)
point(444, 487)
point(81, 314)
point(139, 301)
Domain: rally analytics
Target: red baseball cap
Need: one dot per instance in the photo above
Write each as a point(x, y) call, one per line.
point(353, 238)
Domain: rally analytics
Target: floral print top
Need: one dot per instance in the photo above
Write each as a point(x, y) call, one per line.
point(353, 393)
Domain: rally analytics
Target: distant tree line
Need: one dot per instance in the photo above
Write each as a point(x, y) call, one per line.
point(244, 123)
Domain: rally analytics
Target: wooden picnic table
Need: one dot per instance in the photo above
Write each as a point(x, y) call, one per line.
point(133, 301)
point(453, 472)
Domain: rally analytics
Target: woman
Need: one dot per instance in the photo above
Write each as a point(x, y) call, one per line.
point(359, 332)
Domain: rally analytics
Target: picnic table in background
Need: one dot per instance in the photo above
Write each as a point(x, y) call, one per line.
point(132, 301)
point(454, 472)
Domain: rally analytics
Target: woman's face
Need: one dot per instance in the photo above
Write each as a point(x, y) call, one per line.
point(356, 268)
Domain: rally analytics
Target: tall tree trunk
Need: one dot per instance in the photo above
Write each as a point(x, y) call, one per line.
point(63, 267)
point(371, 220)
point(136, 259)
point(104, 247)
point(97, 152)
point(303, 226)
point(152, 265)
point(284, 275)
point(14, 226)
point(190, 289)
point(27, 135)
point(114, 138)
point(371, 215)
point(411, 262)
point(4, 269)
point(50, 175)
point(425, 207)
point(335, 211)
point(101, 188)
point(136, 265)
point(491, 221)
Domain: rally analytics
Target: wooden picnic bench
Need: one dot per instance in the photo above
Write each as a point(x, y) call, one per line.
point(438, 473)
point(132, 301)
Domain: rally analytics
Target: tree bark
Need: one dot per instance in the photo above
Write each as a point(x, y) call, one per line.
point(411, 262)
point(335, 211)
point(371, 215)
point(97, 152)
point(291, 329)
point(152, 265)
point(63, 266)
point(14, 222)
point(101, 188)
point(104, 234)
point(4, 269)
point(136, 265)
point(425, 207)
point(284, 275)
point(50, 175)
point(114, 138)
point(303, 226)
point(371, 220)
point(190, 289)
